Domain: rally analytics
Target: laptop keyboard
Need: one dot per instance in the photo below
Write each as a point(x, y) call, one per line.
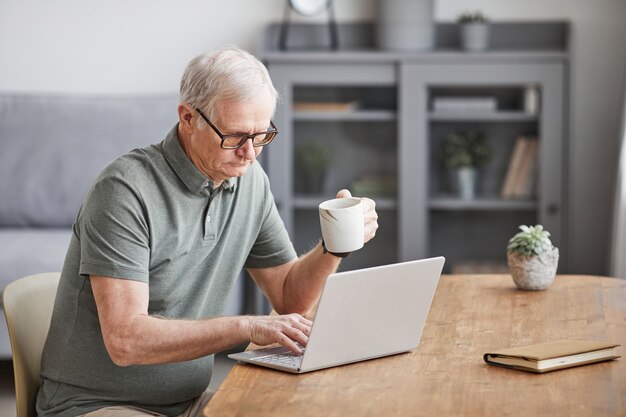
point(288, 359)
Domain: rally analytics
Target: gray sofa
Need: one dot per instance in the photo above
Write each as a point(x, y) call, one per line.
point(51, 149)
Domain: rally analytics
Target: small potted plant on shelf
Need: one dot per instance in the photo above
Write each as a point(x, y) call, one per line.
point(313, 160)
point(532, 258)
point(464, 154)
point(474, 31)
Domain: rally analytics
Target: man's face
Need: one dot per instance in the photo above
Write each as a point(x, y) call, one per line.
point(203, 146)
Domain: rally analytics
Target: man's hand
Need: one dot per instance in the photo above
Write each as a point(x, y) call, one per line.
point(285, 330)
point(370, 217)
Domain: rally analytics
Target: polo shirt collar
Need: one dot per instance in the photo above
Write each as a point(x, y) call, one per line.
point(191, 176)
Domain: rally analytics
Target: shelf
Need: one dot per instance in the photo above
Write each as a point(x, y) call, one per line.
point(301, 202)
point(484, 203)
point(359, 115)
point(476, 116)
point(389, 126)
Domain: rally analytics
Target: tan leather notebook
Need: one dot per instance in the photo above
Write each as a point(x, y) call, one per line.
point(550, 356)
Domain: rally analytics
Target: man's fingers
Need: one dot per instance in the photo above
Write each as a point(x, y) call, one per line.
point(344, 193)
point(287, 330)
point(302, 327)
point(289, 344)
point(297, 318)
point(296, 335)
point(301, 324)
point(368, 204)
point(370, 228)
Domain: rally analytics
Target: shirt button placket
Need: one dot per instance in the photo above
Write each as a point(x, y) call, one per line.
point(209, 231)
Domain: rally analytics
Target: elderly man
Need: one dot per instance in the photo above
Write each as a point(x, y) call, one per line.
point(158, 244)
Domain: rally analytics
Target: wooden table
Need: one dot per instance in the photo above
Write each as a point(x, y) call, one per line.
point(446, 375)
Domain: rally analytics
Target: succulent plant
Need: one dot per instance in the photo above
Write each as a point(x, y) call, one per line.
point(472, 17)
point(531, 241)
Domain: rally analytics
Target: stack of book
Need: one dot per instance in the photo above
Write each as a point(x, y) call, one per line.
point(520, 179)
point(463, 104)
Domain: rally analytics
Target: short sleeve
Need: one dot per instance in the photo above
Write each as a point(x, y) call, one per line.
point(113, 231)
point(272, 246)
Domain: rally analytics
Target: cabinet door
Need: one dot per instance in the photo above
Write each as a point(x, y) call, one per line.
point(338, 129)
point(502, 102)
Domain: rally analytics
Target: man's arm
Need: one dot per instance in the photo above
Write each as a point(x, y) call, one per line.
point(132, 337)
point(294, 287)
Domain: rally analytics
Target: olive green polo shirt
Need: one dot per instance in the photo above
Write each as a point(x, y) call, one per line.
point(152, 216)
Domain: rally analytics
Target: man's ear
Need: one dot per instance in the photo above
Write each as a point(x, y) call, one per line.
point(186, 117)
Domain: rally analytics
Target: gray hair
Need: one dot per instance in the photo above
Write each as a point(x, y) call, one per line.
point(227, 74)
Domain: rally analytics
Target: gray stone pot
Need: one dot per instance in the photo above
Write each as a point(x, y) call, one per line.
point(475, 36)
point(533, 273)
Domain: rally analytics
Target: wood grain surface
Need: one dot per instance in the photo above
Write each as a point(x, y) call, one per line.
point(446, 375)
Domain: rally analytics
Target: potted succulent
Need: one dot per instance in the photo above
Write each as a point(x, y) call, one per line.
point(474, 31)
point(313, 159)
point(464, 154)
point(532, 258)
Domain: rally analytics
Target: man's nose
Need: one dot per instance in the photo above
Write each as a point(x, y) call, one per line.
point(247, 150)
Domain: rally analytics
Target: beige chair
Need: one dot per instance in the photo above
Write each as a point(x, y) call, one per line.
point(28, 306)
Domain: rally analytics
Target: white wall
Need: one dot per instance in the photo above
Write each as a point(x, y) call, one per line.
point(119, 46)
point(142, 46)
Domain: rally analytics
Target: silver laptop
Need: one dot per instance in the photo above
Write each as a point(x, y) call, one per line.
point(362, 314)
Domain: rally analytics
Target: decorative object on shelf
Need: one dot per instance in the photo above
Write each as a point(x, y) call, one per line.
point(474, 28)
point(309, 8)
point(532, 258)
point(313, 159)
point(464, 154)
point(531, 99)
point(405, 24)
point(521, 175)
point(465, 104)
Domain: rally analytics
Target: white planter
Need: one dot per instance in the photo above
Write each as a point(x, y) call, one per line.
point(475, 36)
point(533, 273)
point(464, 182)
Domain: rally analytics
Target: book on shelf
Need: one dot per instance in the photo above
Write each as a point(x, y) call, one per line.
point(520, 179)
point(320, 106)
point(550, 356)
point(462, 104)
point(528, 186)
point(513, 170)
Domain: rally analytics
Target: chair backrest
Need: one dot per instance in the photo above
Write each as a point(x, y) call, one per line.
point(28, 306)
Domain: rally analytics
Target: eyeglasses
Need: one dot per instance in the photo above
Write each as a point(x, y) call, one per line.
point(237, 140)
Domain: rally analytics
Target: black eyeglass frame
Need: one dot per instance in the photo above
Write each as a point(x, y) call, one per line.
point(243, 137)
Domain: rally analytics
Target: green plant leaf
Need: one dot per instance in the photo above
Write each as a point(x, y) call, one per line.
point(532, 240)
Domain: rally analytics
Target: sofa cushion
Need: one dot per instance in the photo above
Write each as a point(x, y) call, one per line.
point(53, 147)
point(28, 251)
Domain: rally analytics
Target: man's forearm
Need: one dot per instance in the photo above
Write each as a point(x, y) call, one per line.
point(305, 280)
point(152, 340)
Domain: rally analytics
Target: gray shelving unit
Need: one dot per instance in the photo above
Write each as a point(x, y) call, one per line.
point(394, 134)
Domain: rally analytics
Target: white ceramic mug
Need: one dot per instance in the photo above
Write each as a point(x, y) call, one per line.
point(341, 220)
